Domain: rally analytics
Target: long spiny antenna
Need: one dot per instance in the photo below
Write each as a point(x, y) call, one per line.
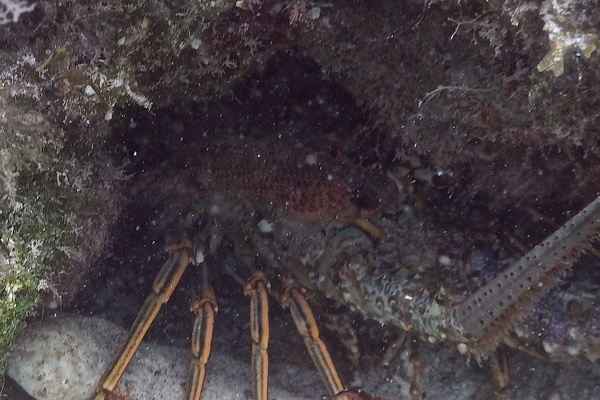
point(487, 314)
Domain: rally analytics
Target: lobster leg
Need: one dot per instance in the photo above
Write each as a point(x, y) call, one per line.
point(162, 289)
point(292, 297)
point(257, 288)
point(204, 308)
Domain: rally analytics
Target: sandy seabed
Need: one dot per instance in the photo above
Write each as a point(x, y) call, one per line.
point(62, 358)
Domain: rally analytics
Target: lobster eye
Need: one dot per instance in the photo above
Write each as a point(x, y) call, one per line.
point(364, 198)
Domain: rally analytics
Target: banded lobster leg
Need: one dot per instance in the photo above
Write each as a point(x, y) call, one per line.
point(293, 298)
point(162, 288)
point(204, 308)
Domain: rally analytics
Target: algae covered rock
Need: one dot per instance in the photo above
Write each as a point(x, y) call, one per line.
point(51, 220)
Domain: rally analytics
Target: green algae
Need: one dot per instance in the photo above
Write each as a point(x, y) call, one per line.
point(37, 213)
